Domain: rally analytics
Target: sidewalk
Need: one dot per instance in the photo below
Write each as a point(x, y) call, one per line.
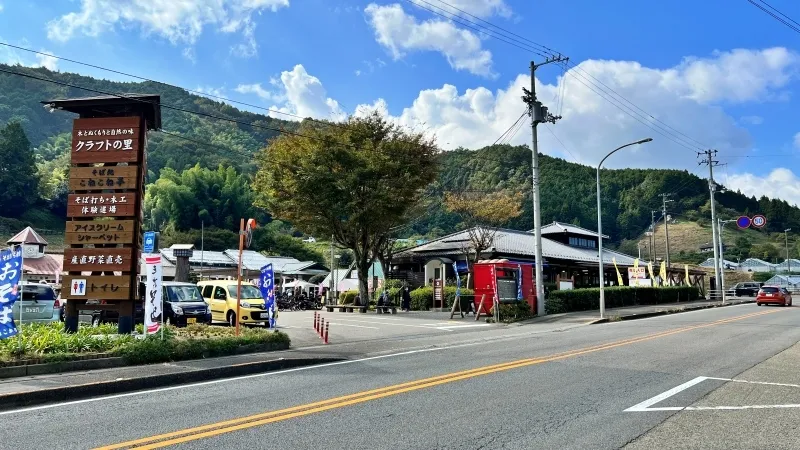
point(636, 312)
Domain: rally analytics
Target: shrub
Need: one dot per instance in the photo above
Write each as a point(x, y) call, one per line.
point(390, 284)
point(450, 295)
point(617, 296)
point(422, 298)
point(512, 312)
point(348, 297)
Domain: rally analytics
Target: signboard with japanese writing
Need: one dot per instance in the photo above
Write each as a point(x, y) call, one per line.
point(96, 287)
point(106, 140)
point(636, 273)
point(100, 232)
point(102, 205)
point(98, 178)
point(97, 259)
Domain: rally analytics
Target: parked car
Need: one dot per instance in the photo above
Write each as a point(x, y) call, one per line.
point(184, 304)
point(39, 303)
point(221, 298)
point(310, 239)
point(774, 295)
point(747, 289)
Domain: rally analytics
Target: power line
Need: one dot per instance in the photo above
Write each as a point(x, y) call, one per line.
point(502, 136)
point(663, 129)
point(780, 17)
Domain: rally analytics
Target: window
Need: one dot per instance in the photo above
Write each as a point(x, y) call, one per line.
point(248, 292)
point(592, 244)
point(207, 291)
point(219, 293)
point(573, 241)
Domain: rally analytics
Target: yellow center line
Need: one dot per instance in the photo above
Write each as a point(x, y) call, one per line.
point(228, 426)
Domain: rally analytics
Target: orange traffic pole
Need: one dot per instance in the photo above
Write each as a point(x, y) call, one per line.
point(239, 278)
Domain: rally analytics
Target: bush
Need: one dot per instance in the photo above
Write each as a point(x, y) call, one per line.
point(422, 298)
point(348, 297)
point(390, 284)
point(49, 343)
point(512, 312)
point(617, 296)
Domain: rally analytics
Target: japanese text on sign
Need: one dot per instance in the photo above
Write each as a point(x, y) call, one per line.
point(10, 275)
point(100, 259)
point(106, 145)
point(107, 132)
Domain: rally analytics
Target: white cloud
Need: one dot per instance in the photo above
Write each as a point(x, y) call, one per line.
point(1, 7)
point(358, 73)
point(179, 21)
point(752, 120)
point(401, 33)
point(217, 94)
point(299, 94)
point(257, 89)
point(591, 126)
point(190, 54)
point(781, 183)
point(47, 60)
point(12, 57)
point(479, 8)
point(797, 140)
point(740, 75)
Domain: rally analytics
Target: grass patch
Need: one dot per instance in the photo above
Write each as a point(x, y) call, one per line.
point(44, 343)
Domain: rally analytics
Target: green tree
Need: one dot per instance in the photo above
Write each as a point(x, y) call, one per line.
point(216, 198)
point(355, 181)
point(18, 175)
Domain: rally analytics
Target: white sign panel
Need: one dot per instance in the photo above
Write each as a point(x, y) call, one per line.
point(637, 273)
point(153, 306)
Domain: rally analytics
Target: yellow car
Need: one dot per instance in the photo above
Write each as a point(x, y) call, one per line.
point(220, 295)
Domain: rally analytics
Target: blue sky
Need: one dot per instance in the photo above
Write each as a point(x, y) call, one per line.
point(719, 73)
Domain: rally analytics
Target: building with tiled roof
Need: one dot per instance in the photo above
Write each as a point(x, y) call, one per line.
point(38, 265)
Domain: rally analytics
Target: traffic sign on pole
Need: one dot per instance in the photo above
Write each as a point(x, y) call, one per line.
point(743, 222)
point(149, 241)
point(759, 221)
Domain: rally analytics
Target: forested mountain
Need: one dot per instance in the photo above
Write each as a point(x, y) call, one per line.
point(203, 175)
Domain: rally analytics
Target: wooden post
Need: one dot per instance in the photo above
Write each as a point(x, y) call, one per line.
point(453, 309)
point(480, 307)
point(239, 277)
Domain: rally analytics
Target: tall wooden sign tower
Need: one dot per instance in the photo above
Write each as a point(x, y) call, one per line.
point(104, 206)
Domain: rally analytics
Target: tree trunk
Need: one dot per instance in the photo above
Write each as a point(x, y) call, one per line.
point(363, 276)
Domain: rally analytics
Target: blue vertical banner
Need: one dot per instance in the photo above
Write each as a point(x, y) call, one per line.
point(458, 279)
point(519, 281)
point(10, 276)
point(267, 286)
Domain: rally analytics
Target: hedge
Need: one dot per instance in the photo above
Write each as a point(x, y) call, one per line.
point(422, 298)
point(348, 297)
point(617, 296)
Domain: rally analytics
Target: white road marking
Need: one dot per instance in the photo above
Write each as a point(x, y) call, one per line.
point(647, 404)
point(456, 327)
point(349, 325)
point(389, 323)
point(269, 374)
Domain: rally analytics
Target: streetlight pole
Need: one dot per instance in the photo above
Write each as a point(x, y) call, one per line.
point(600, 226)
point(788, 262)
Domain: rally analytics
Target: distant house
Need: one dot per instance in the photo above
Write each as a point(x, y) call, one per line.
point(756, 265)
point(38, 266)
point(709, 248)
point(568, 251)
point(785, 266)
point(729, 265)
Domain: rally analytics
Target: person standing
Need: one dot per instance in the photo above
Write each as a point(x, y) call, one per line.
point(406, 306)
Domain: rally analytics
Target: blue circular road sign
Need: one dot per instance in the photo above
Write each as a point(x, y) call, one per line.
point(743, 222)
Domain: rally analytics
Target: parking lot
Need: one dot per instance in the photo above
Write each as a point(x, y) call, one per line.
point(355, 327)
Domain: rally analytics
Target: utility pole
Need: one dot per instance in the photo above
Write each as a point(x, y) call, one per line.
point(539, 114)
point(333, 274)
point(708, 159)
point(666, 224)
point(653, 235)
point(722, 256)
point(788, 262)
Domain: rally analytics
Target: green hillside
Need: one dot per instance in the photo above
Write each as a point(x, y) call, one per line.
point(202, 176)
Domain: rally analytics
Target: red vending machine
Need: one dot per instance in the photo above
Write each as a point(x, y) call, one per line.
point(506, 280)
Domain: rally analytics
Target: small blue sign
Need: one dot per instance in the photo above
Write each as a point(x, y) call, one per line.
point(149, 241)
point(743, 222)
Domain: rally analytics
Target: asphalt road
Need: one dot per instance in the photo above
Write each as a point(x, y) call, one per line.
point(516, 389)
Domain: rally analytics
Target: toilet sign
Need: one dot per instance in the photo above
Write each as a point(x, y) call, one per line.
point(78, 287)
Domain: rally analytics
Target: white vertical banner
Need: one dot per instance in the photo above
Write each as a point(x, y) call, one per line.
point(153, 306)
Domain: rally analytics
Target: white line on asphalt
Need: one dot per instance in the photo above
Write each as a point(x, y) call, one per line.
point(389, 323)
point(354, 326)
point(266, 374)
point(456, 327)
point(645, 405)
point(755, 382)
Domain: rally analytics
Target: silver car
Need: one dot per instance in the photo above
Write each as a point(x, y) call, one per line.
point(38, 304)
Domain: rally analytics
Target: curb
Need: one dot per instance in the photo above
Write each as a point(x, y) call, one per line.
point(26, 370)
point(68, 393)
point(667, 312)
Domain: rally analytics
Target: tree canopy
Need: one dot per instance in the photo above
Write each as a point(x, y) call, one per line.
point(18, 177)
point(355, 181)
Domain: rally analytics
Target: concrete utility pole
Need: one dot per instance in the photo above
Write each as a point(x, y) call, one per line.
point(788, 263)
point(666, 224)
point(653, 236)
point(539, 114)
point(722, 257)
point(708, 158)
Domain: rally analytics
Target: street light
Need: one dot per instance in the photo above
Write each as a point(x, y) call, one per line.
point(600, 225)
point(788, 263)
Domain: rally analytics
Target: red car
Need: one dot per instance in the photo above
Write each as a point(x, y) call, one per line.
point(774, 295)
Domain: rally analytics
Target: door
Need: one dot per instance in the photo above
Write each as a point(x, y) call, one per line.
point(37, 304)
point(218, 304)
